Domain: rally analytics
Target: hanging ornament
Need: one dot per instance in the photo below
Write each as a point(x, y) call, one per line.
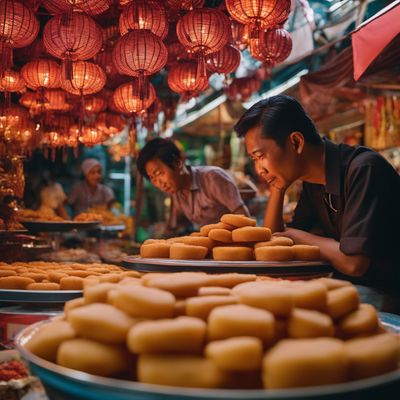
point(109, 123)
point(18, 28)
point(185, 5)
point(240, 34)
point(225, 61)
point(95, 104)
point(90, 7)
point(242, 88)
point(127, 97)
point(91, 136)
point(41, 73)
point(276, 46)
point(203, 31)
point(144, 14)
point(10, 82)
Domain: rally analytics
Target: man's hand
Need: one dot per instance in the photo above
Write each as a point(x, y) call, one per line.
point(296, 235)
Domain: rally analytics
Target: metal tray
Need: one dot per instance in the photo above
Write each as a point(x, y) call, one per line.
point(58, 226)
point(65, 384)
point(292, 268)
point(111, 228)
point(38, 296)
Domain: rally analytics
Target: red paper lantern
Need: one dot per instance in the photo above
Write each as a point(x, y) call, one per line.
point(11, 81)
point(259, 13)
point(95, 104)
point(144, 14)
point(186, 5)
point(109, 123)
point(224, 61)
point(91, 136)
point(12, 116)
point(276, 45)
point(50, 99)
point(240, 34)
point(139, 53)
point(72, 37)
point(105, 60)
point(110, 35)
point(41, 73)
point(91, 7)
point(87, 78)
point(203, 31)
point(183, 79)
point(243, 88)
point(18, 28)
point(127, 97)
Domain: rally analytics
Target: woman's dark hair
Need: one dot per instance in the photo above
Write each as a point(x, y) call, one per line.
point(163, 149)
point(278, 117)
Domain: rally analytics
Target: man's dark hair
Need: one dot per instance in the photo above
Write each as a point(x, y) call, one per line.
point(278, 117)
point(163, 149)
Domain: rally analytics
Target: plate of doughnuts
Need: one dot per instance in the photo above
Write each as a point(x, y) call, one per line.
point(166, 337)
point(59, 226)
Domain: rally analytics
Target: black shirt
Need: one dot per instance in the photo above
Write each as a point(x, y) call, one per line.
point(359, 206)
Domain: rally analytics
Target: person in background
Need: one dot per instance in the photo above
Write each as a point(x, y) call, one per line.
point(52, 199)
point(349, 205)
point(203, 193)
point(90, 192)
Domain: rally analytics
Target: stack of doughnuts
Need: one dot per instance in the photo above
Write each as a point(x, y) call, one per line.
point(234, 238)
point(220, 331)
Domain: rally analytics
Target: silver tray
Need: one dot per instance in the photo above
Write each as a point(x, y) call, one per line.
point(111, 228)
point(292, 268)
point(66, 384)
point(38, 296)
point(58, 226)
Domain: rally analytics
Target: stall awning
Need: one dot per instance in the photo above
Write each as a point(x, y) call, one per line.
point(371, 37)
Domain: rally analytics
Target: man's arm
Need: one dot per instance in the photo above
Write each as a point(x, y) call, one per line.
point(273, 217)
point(352, 265)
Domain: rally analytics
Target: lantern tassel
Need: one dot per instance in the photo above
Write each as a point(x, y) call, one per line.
point(143, 87)
point(67, 70)
point(201, 67)
point(6, 54)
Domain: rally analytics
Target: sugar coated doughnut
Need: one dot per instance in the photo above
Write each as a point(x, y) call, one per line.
point(305, 362)
point(144, 302)
point(214, 291)
point(229, 280)
point(36, 276)
point(310, 295)
point(93, 357)
point(342, 301)
point(178, 335)
point(276, 241)
point(7, 272)
point(205, 230)
point(180, 251)
point(97, 293)
point(276, 299)
point(155, 250)
point(304, 323)
point(362, 321)
point(43, 286)
point(373, 355)
point(199, 241)
point(240, 320)
point(274, 253)
point(221, 235)
point(236, 354)
point(15, 282)
point(201, 307)
point(101, 322)
point(251, 234)
point(238, 220)
point(48, 338)
point(179, 370)
point(305, 252)
point(181, 284)
point(225, 253)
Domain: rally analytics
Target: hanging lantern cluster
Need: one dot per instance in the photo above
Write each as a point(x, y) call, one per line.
point(110, 123)
point(90, 7)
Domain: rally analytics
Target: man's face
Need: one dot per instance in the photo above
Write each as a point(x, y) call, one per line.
point(94, 176)
point(276, 165)
point(162, 176)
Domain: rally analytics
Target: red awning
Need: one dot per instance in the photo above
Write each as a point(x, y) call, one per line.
point(371, 37)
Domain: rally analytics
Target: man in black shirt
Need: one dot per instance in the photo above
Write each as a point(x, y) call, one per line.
point(350, 202)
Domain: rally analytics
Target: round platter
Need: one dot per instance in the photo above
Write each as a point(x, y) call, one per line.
point(38, 296)
point(111, 228)
point(58, 226)
point(292, 268)
point(65, 384)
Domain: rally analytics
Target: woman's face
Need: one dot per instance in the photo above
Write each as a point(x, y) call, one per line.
point(162, 176)
point(94, 176)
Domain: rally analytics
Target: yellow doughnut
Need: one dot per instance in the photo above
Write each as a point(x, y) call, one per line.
point(233, 253)
point(71, 283)
point(304, 252)
point(310, 295)
point(48, 337)
point(251, 234)
point(304, 323)
point(43, 286)
point(93, 357)
point(236, 354)
point(15, 282)
point(74, 303)
point(342, 301)
point(97, 293)
point(7, 272)
point(296, 363)
point(180, 251)
point(214, 291)
point(221, 235)
point(238, 220)
point(205, 230)
point(178, 335)
point(201, 307)
point(276, 241)
point(274, 253)
point(199, 241)
point(155, 250)
point(196, 234)
point(229, 280)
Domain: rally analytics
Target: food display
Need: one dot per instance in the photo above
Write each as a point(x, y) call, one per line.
point(234, 238)
point(27, 214)
point(41, 275)
point(219, 331)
